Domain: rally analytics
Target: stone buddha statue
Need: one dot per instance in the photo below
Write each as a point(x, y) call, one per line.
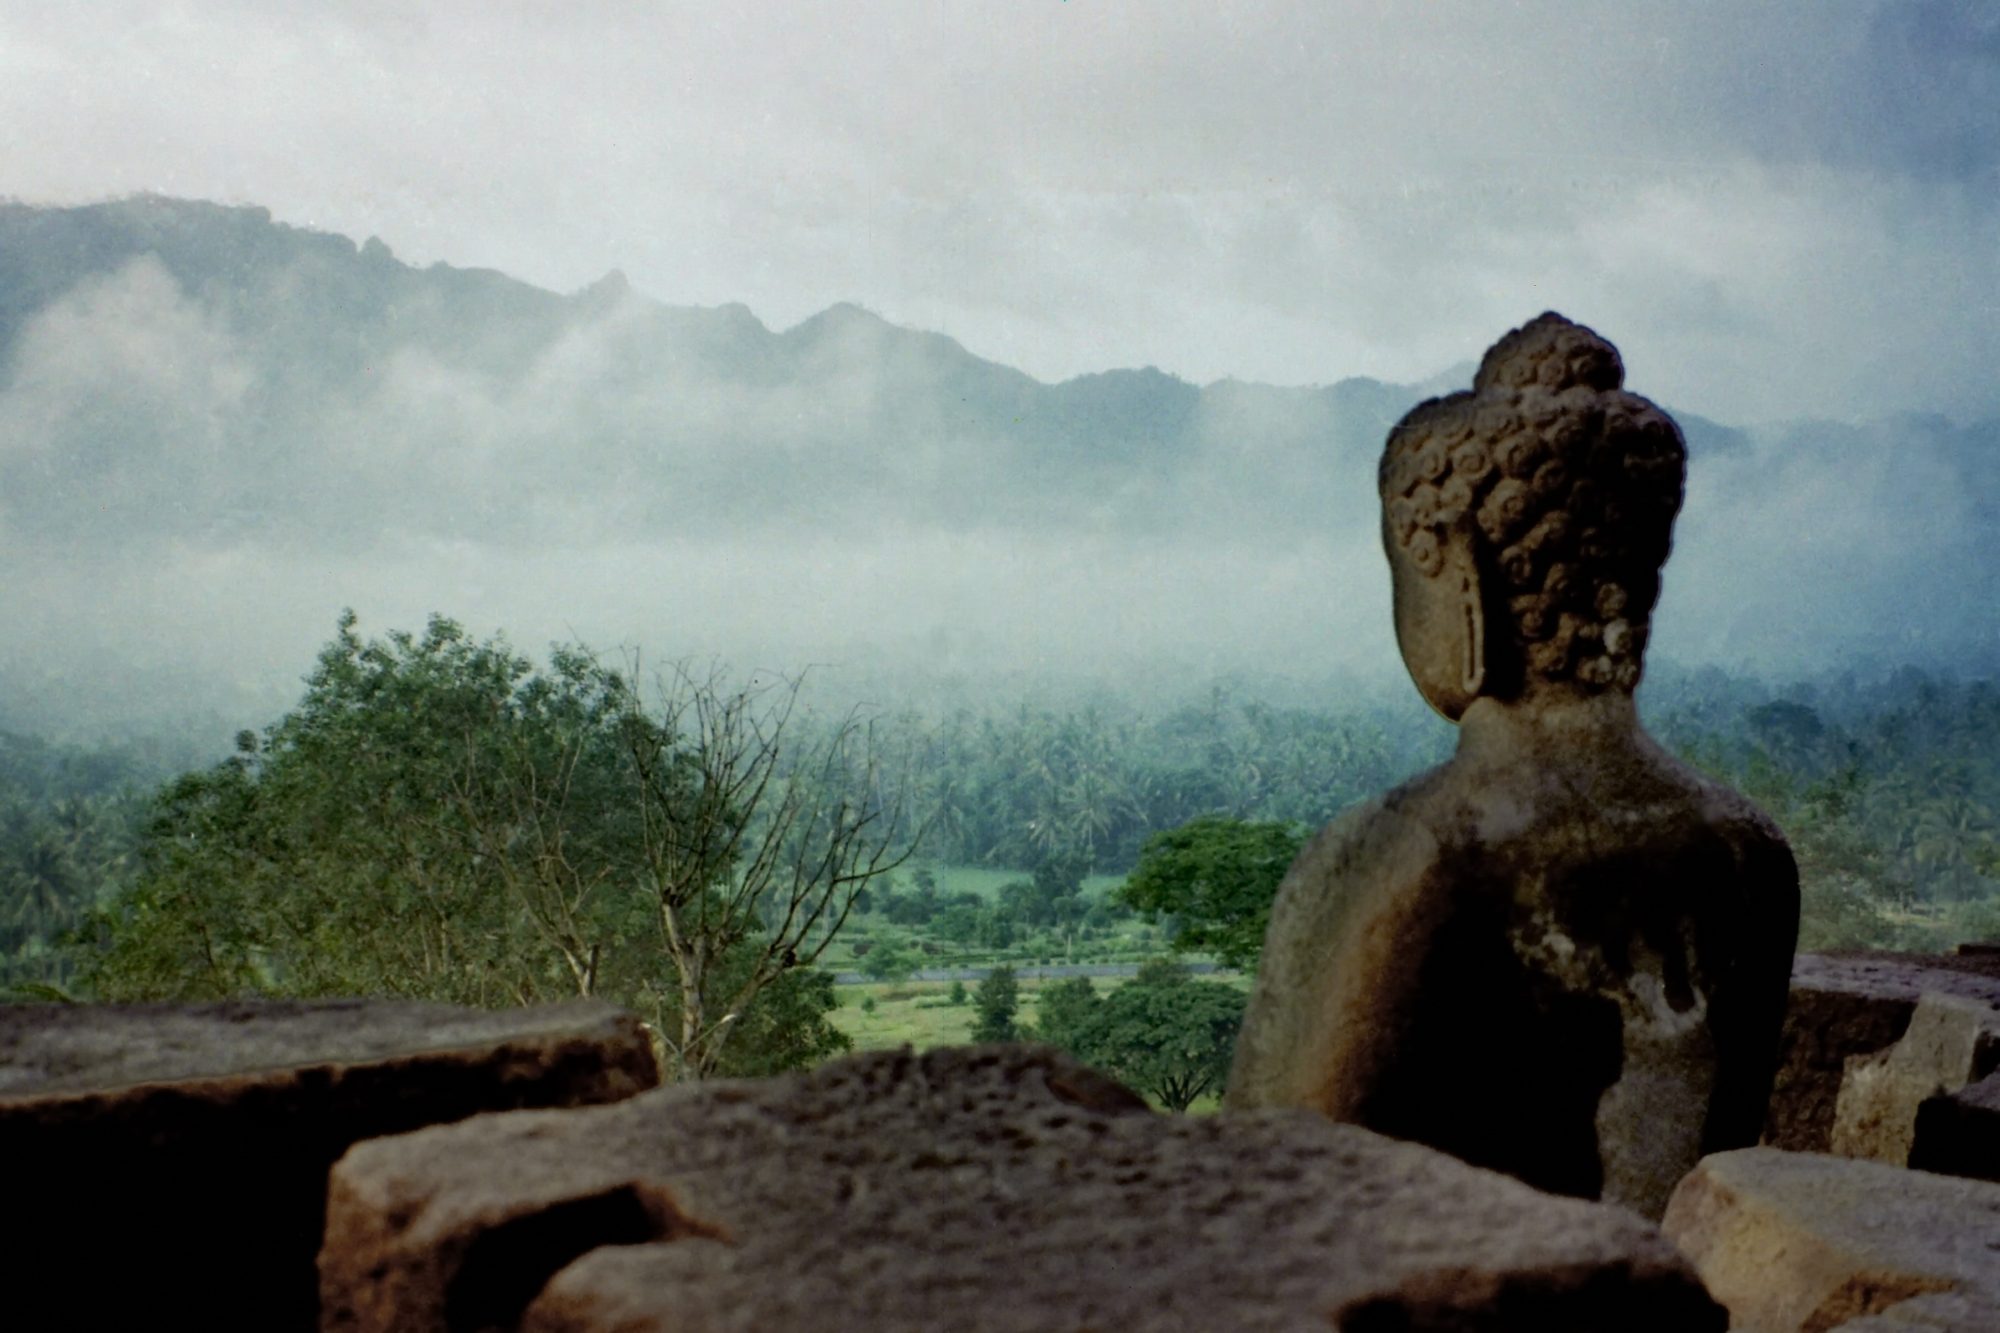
point(1563, 954)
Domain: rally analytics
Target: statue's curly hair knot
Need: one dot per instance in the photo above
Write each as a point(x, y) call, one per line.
point(1565, 485)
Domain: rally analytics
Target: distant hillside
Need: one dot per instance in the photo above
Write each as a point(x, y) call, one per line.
point(201, 372)
point(271, 378)
point(198, 402)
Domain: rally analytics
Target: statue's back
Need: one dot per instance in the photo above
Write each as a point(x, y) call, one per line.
point(1579, 988)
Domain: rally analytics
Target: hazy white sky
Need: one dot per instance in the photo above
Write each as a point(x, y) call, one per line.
point(1775, 210)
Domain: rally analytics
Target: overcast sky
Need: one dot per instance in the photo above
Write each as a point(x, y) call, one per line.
point(1775, 210)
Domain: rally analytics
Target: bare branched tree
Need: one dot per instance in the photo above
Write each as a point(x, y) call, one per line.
point(518, 816)
point(745, 830)
point(757, 834)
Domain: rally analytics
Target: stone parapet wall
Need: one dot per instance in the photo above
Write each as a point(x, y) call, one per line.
point(992, 1188)
point(186, 1148)
point(1806, 1243)
point(998, 1188)
point(1854, 1007)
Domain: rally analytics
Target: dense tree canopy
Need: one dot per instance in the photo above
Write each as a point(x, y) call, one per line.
point(997, 1000)
point(1162, 1033)
point(70, 828)
point(1216, 877)
point(438, 818)
point(1023, 785)
point(1887, 791)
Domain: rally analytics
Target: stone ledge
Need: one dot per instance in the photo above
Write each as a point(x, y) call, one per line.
point(194, 1141)
point(1951, 1041)
point(991, 1188)
point(1808, 1243)
point(1848, 1005)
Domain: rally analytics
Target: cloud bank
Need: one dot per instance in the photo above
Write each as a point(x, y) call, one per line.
point(1783, 212)
point(211, 444)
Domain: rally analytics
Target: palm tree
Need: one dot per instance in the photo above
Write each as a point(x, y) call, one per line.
point(1951, 838)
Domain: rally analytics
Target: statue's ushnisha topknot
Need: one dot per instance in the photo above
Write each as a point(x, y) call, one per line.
point(1550, 351)
point(1565, 485)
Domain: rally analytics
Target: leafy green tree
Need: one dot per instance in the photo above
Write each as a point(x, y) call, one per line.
point(439, 819)
point(1953, 834)
point(786, 1027)
point(1065, 1012)
point(1050, 896)
point(960, 923)
point(1169, 1039)
point(889, 961)
point(1016, 898)
point(997, 928)
point(997, 1000)
point(1216, 876)
point(1157, 971)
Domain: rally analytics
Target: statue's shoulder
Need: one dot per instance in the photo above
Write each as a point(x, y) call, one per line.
point(1740, 820)
point(1742, 850)
point(1355, 873)
point(1366, 851)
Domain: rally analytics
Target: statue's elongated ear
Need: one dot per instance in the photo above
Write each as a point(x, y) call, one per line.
point(1463, 572)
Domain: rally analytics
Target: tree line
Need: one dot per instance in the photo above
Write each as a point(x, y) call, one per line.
point(1889, 788)
point(440, 818)
point(1162, 1033)
point(1088, 785)
point(444, 818)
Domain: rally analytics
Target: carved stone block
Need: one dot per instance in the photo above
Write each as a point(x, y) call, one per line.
point(1803, 1243)
point(1850, 1006)
point(995, 1188)
point(189, 1146)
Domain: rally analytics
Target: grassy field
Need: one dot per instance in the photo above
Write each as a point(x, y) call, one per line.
point(1124, 938)
point(986, 881)
point(920, 1014)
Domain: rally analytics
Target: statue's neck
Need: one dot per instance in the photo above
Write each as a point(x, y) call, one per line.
point(1554, 723)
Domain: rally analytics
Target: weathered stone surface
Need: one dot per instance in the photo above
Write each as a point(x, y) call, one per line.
point(979, 1188)
point(1804, 1243)
point(1958, 1132)
point(1951, 1041)
point(1563, 917)
point(189, 1145)
point(1848, 1005)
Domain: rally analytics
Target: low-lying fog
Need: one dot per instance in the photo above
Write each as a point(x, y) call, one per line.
point(209, 447)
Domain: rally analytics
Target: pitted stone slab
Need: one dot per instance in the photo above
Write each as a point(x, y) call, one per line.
point(204, 1133)
point(51, 1049)
point(1849, 1005)
point(1806, 1243)
point(979, 1188)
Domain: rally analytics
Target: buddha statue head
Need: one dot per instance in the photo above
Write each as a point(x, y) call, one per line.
point(1526, 522)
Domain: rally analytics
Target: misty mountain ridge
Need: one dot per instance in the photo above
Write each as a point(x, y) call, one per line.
point(211, 419)
point(280, 350)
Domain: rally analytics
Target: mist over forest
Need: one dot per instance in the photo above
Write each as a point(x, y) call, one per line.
point(300, 540)
point(216, 431)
